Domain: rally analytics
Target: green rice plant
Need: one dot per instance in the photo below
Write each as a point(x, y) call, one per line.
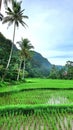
point(38, 84)
point(45, 119)
point(69, 122)
point(9, 126)
point(58, 125)
point(61, 120)
point(24, 124)
point(54, 120)
point(33, 97)
point(32, 119)
point(42, 119)
point(64, 119)
point(47, 116)
point(19, 126)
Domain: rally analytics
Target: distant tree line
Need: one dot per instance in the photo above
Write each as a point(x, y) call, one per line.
point(66, 72)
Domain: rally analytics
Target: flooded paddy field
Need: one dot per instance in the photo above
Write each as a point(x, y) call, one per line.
point(38, 97)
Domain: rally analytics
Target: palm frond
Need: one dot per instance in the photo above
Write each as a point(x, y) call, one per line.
point(9, 24)
point(9, 10)
point(15, 15)
point(1, 17)
point(23, 24)
point(7, 19)
point(21, 12)
point(25, 46)
point(24, 16)
point(5, 2)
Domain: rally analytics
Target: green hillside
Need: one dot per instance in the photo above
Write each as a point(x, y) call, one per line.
point(36, 66)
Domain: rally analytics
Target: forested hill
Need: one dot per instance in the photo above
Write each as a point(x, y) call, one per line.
point(39, 65)
point(38, 58)
point(36, 66)
point(5, 42)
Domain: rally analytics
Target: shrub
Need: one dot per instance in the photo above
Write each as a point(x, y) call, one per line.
point(3, 84)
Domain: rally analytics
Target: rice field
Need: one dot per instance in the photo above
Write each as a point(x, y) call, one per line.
point(44, 93)
point(38, 97)
point(39, 120)
point(37, 83)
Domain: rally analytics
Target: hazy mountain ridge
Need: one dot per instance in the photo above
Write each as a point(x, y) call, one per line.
point(40, 59)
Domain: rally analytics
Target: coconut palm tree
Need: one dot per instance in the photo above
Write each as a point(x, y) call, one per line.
point(25, 47)
point(14, 16)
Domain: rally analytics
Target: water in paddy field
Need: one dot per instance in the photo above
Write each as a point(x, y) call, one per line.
point(58, 100)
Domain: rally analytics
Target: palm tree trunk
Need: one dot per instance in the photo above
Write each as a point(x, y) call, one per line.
point(23, 70)
point(19, 69)
point(10, 56)
point(0, 4)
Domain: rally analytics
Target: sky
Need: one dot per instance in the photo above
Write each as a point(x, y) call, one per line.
point(50, 28)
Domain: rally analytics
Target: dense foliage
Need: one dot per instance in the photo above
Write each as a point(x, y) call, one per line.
point(5, 46)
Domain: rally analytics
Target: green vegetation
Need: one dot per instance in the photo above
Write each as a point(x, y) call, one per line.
point(37, 104)
point(36, 66)
point(37, 120)
point(44, 103)
point(36, 83)
point(25, 47)
point(38, 91)
point(38, 97)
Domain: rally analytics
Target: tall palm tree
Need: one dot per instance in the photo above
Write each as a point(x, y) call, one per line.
point(25, 47)
point(14, 15)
